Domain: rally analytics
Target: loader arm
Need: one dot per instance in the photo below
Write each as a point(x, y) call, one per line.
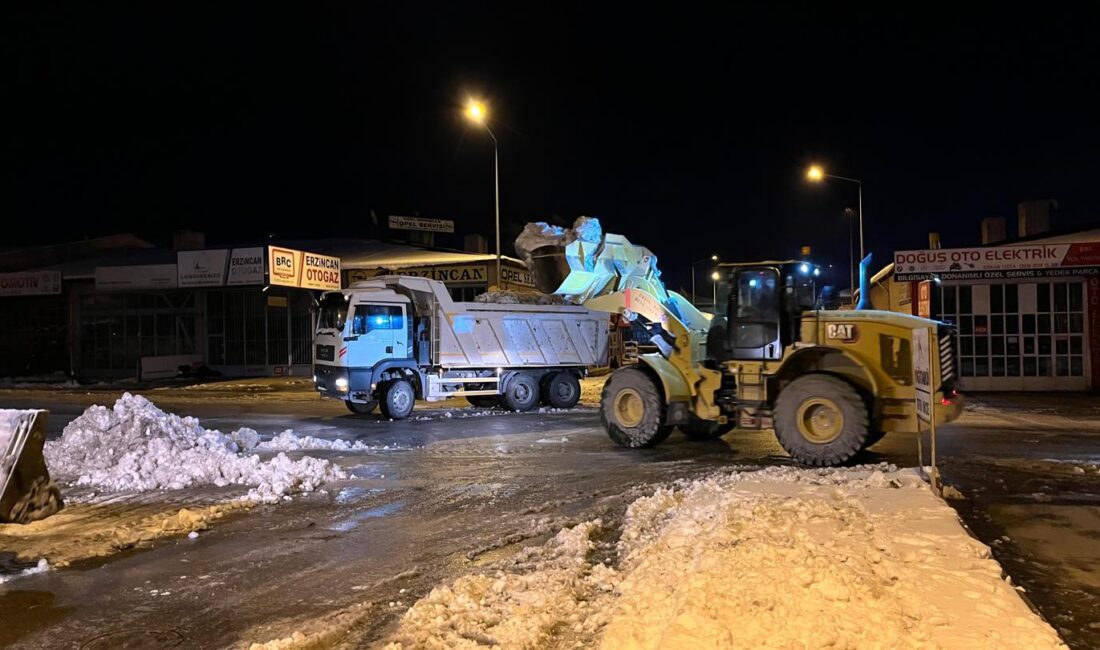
point(605, 272)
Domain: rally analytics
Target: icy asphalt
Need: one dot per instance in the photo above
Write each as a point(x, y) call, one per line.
point(444, 494)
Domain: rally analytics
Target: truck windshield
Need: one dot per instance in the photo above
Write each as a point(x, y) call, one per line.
point(334, 310)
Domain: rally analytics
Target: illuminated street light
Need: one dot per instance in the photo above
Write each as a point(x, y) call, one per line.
point(477, 113)
point(816, 174)
point(715, 277)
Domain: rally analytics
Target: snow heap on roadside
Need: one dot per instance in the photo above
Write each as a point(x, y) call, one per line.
point(136, 446)
point(781, 557)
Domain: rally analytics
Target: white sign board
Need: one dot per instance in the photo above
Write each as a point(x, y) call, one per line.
point(148, 276)
point(246, 266)
point(922, 372)
point(201, 268)
point(30, 283)
point(516, 276)
point(398, 222)
point(998, 262)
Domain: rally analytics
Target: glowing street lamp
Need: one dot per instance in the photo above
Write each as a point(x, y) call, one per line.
point(816, 174)
point(478, 113)
point(715, 277)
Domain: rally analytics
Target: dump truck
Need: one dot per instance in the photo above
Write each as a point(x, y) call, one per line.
point(386, 342)
point(26, 491)
point(830, 383)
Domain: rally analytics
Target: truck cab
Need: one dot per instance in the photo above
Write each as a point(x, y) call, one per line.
point(357, 334)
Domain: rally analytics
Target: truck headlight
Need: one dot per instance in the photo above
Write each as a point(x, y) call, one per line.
point(341, 384)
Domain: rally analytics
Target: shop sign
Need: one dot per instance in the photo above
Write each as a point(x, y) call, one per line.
point(284, 266)
point(204, 268)
point(288, 267)
point(246, 266)
point(320, 272)
point(30, 283)
point(1018, 261)
point(924, 299)
point(457, 273)
point(398, 222)
point(147, 276)
point(521, 277)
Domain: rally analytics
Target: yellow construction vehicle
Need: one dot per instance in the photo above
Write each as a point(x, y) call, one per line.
point(830, 383)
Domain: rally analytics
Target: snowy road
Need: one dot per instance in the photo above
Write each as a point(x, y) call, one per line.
point(451, 493)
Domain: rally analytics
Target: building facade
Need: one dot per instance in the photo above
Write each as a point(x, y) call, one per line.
point(141, 311)
point(1027, 313)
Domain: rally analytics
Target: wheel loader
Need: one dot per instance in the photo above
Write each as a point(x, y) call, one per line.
point(830, 383)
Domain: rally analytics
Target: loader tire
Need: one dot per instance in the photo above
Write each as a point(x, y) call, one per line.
point(522, 393)
point(562, 390)
point(398, 399)
point(484, 401)
point(632, 409)
point(821, 420)
point(707, 429)
point(361, 408)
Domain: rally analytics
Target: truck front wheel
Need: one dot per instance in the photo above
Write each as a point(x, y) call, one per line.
point(398, 399)
point(632, 409)
point(821, 420)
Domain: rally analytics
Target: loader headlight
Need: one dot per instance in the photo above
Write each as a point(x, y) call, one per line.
point(805, 268)
point(342, 384)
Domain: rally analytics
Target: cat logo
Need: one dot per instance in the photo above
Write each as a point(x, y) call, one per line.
point(845, 332)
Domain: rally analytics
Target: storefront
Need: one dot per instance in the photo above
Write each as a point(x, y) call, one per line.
point(1028, 314)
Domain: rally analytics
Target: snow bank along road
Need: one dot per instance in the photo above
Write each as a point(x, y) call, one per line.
point(431, 505)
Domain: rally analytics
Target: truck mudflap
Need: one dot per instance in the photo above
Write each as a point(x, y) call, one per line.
point(26, 491)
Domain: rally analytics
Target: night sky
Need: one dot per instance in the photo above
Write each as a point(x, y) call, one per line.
point(686, 131)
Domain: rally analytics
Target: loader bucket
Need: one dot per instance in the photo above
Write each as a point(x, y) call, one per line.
point(26, 492)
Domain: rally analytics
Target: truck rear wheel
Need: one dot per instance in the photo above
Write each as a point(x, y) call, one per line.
point(360, 408)
point(522, 393)
point(561, 390)
point(821, 420)
point(398, 399)
point(632, 409)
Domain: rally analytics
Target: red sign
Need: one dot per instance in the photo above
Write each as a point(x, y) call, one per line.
point(924, 299)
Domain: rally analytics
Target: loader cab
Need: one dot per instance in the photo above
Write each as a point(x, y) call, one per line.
point(765, 303)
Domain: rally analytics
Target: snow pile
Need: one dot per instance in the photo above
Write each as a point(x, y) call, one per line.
point(518, 608)
point(782, 557)
point(290, 441)
point(136, 446)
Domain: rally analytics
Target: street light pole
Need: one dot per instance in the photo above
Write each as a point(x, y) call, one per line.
point(478, 114)
point(496, 196)
point(694, 296)
point(816, 174)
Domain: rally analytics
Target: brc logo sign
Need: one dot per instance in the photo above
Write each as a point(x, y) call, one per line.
point(844, 332)
point(284, 266)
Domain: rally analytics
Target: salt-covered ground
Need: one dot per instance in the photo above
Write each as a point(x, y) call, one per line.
point(429, 502)
point(779, 557)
